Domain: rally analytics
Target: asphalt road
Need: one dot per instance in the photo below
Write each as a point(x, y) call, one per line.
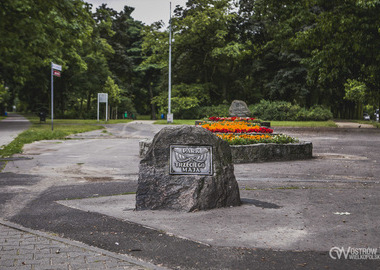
point(289, 220)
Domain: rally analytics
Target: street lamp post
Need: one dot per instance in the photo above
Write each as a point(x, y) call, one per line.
point(170, 115)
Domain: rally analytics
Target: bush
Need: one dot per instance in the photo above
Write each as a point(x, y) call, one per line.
point(302, 115)
point(221, 110)
point(320, 113)
point(282, 110)
point(187, 114)
point(276, 110)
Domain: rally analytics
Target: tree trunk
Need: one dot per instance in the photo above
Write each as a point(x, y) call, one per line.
point(153, 106)
point(360, 111)
point(88, 102)
point(81, 108)
point(224, 87)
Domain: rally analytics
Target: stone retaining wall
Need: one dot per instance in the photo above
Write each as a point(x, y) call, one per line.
point(261, 152)
point(271, 152)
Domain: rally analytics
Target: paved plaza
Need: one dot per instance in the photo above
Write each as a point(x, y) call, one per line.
point(74, 200)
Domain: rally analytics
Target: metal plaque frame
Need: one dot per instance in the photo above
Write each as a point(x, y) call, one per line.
point(191, 160)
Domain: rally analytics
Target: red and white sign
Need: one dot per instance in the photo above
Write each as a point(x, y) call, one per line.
point(56, 73)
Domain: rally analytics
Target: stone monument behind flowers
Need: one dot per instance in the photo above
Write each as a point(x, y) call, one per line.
point(240, 109)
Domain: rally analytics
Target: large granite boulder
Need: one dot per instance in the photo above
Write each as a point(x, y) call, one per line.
point(187, 168)
point(240, 109)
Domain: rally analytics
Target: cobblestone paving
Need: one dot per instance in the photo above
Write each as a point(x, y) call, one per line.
point(24, 250)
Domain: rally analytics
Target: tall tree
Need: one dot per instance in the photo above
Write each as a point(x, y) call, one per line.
point(342, 45)
point(35, 33)
point(123, 33)
point(274, 69)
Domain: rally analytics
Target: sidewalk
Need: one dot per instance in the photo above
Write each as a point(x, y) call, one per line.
point(10, 127)
point(352, 125)
point(22, 248)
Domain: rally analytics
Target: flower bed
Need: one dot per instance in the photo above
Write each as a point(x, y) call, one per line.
point(235, 127)
point(245, 139)
point(251, 142)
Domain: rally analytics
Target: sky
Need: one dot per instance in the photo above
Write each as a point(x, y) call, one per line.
point(147, 11)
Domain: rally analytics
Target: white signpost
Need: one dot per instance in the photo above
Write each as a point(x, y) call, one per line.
point(103, 98)
point(55, 71)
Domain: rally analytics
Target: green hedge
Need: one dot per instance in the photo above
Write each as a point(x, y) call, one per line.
point(265, 110)
point(203, 112)
point(285, 111)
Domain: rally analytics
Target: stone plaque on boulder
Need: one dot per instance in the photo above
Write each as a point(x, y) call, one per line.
point(187, 168)
point(239, 108)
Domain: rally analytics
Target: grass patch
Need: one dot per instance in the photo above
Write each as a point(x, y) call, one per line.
point(38, 132)
point(176, 122)
point(143, 117)
point(303, 124)
point(36, 120)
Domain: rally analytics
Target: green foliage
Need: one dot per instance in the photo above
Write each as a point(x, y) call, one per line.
point(178, 104)
point(285, 111)
point(4, 98)
point(35, 33)
point(176, 122)
point(300, 52)
point(127, 55)
point(206, 50)
point(355, 91)
point(185, 98)
point(312, 124)
point(113, 91)
point(221, 110)
point(319, 113)
point(341, 44)
point(90, 47)
point(3, 94)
